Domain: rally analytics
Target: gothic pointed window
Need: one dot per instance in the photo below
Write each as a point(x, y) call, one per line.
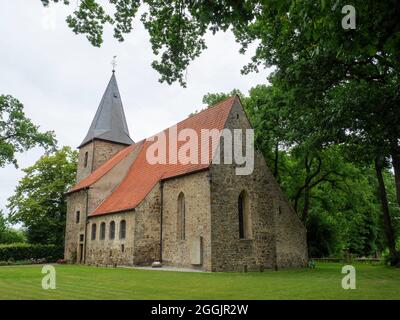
point(245, 231)
point(181, 217)
point(93, 231)
point(122, 229)
point(112, 230)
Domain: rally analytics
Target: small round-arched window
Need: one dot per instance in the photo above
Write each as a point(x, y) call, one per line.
point(102, 231)
point(122, 229)
point(112, 230)
point(94, 231)
point(181, 217)
point(245, 228)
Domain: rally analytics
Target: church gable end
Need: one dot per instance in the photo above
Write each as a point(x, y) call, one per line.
point(245, 231)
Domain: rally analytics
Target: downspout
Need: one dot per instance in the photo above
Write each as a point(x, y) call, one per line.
point(161, 217)
point(87, 206)
point(86, 225)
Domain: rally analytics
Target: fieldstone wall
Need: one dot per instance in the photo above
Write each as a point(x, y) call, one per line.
point(291, 236)
point(75, 202)
point(111, 251)
point(196, 189)
point(82, 170)
point(229, 252)
point(147, 229)
point(104, 150)
point(99, 151)
point(276, 241)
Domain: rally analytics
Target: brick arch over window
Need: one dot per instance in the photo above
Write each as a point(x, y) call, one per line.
point(181, 217)
point(245, 225)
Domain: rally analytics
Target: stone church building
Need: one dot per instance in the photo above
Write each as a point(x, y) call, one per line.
point(126, 211)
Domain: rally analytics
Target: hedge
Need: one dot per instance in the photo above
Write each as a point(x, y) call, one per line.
point(24, 251)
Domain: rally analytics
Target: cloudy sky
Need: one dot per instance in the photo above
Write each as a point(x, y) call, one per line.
point(60, 77)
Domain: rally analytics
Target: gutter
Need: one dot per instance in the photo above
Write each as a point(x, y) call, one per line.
point(161, 217)
point(186, 173)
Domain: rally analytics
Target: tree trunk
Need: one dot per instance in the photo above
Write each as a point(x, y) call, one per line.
point(387, 221)
point(306, 205)
point(396, 167)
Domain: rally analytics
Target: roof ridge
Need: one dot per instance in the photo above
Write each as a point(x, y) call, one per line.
point(210, 107)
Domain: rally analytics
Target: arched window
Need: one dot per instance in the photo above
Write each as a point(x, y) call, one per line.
point(181, 217)
point(122, 229)
point(93, 231)
point(102, 231)
point(86, 159)
point(112, 230)
point(245, 231)
point(78, 216)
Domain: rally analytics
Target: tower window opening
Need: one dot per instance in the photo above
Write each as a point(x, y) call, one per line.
point(85, 162)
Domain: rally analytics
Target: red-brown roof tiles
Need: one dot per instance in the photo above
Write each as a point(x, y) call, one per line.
point(103, 169)
point(143, 176)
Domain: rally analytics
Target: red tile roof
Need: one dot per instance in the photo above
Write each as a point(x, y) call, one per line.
point(103, 169)
point(143, 176)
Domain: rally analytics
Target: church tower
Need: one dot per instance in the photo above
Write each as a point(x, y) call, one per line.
point(107, 134)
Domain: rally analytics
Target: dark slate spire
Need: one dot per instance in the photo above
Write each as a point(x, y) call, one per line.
point(109, 123)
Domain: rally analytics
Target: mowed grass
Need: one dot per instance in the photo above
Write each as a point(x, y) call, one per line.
point(84, 282)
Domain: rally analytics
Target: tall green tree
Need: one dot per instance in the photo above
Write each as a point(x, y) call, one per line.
point(305, 40)
point(17, 132)
point(39, 200)
point(8, 234)
point(335, 196)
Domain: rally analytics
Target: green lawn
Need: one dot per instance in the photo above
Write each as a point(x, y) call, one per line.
point(83, 282)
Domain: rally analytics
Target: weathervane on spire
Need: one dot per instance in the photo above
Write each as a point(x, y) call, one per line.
point(114, 63)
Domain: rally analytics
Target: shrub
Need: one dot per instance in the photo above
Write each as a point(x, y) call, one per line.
point(33, 252)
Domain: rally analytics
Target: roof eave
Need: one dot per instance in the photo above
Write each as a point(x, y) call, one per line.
point(116, 142)
point(111, 212)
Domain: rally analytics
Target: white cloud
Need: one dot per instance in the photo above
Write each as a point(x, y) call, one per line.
point(60, 78)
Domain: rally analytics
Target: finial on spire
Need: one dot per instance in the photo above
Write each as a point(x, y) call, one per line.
point(114, 63)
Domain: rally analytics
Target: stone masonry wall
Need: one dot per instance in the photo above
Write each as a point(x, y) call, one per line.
point(75, 202)
point(291, 236)
point(147, 229)
point(104, 150)
point(82, 170)
point(196, 188)
point(275, 240)
point(111, 251)
point(99, 151)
